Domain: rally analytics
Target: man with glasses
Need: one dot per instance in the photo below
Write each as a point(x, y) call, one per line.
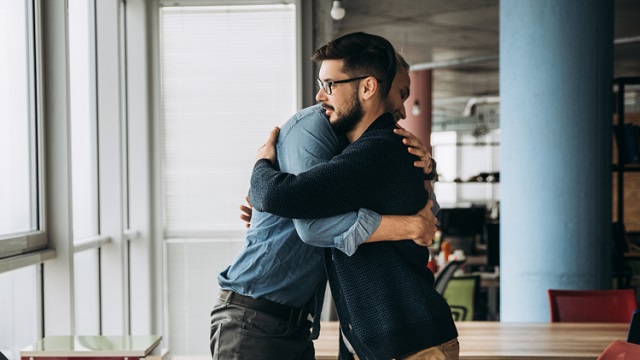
point(277, 280)
point(384, 292)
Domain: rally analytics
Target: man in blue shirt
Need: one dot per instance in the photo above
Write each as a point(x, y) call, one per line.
point(384, 294)
point(277, 280)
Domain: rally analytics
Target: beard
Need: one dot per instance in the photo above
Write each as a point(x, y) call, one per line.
point(352, 116)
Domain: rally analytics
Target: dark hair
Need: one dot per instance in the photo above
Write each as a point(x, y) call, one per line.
point(363, 54)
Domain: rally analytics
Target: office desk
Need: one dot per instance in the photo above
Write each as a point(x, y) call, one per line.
point(488, 340)
point(491, 282)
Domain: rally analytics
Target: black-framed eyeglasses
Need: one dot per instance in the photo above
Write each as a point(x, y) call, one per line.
point(326, 85)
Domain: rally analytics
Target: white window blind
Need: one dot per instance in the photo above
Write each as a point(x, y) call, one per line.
point(227, 78)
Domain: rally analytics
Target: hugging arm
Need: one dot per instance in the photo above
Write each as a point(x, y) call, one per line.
point(305, 141)
point(364, 175)
point(298, 196)
point(314, 143)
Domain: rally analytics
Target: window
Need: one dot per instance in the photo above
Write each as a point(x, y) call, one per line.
point(20, 196)
point(19, 313)
point(228, 76)
point(72, 285)
point(461, 160)
point(84, 158)
point(83, 118)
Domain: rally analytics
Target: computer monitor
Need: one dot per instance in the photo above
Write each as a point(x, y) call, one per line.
point(463, 227)
point(462, 221)
point(493, 244)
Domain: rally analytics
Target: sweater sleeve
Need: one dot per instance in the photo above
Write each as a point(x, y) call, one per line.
point(366, 174)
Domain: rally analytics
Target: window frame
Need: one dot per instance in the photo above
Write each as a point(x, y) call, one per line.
point(305, 83)
point(30, 247)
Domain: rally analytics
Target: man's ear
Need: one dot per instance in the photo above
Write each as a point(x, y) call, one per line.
point(369, 87)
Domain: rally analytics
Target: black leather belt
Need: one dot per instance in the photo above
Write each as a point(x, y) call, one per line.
point(284, 312)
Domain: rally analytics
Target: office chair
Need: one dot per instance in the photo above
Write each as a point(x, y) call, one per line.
point(634, 328)
point(620, 350)
point(459, 313)
point(623, 269)
point(444, 275)
point(462, 294)
point(592, 305)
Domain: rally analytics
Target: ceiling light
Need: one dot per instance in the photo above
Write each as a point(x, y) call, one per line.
point(337, 11)
point(415, 110)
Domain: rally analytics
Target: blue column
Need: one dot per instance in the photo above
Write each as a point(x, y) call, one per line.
point(555, 118)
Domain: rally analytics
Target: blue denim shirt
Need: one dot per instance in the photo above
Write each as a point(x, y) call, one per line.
point(278, 262)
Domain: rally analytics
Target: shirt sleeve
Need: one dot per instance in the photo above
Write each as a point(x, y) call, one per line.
point(305, 142)
point(343, 232)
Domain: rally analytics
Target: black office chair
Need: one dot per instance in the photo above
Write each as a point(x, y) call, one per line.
point(459, 313)
point(443, 276)
point(634, 328)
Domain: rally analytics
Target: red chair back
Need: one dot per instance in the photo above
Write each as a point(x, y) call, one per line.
point(620, 350)
point(592, 305)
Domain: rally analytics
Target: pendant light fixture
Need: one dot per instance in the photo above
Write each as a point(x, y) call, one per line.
point(337, 11)
point(415, 110)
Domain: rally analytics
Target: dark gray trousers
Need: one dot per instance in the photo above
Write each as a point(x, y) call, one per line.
point(241, 333)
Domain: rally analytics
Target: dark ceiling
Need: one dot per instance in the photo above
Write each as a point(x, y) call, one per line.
point(428, 31)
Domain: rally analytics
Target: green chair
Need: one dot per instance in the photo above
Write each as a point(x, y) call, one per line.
point(444, 275)
point(462, 293)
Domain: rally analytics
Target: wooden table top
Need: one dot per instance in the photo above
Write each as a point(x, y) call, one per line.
point(490, 340)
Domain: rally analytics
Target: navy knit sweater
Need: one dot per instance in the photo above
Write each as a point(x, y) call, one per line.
point(383, 293)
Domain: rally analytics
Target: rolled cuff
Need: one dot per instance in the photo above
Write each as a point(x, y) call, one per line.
point(367, 223)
